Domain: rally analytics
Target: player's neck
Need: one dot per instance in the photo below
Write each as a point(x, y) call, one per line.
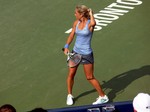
point(83, 20)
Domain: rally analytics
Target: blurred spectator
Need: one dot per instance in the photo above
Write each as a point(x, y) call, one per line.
point(141, 103)
point(7, 108)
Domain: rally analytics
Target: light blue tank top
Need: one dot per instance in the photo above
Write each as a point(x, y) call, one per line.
point(83, 40)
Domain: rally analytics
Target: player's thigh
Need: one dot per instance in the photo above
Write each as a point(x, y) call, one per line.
point(72, 71)
point(88, 70)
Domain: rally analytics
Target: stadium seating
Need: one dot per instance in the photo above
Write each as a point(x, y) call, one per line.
point(125, 106)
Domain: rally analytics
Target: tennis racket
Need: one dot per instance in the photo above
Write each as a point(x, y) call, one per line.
point(73, 59)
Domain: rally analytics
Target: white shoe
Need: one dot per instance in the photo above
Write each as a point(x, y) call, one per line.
point(101, 100)
point(69, 99)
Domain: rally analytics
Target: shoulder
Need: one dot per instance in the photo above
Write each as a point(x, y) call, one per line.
point(74, 26)
point(88, 21)
point(75, 22)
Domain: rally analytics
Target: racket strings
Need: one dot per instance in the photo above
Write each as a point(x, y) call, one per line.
point(73, 59)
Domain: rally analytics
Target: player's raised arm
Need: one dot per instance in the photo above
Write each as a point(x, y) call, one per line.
point(92, 20)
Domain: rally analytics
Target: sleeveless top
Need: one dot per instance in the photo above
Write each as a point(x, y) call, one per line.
point(83, 40)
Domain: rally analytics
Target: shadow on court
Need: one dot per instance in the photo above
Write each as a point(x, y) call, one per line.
point(117, 84)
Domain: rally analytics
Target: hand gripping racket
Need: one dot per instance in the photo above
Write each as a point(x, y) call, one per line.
point(73, 59)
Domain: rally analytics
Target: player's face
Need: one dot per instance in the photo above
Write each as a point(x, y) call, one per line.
point(77, 15)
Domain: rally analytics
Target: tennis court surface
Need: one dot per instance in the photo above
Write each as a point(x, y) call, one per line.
point(33, 68)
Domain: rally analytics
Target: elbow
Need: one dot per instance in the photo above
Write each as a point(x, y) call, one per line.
point(93, 23)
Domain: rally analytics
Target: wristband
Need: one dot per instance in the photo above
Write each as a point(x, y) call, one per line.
point(66, 46)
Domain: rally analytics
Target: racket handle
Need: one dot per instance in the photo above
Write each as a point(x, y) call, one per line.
point(63, 49)
point(67, 52)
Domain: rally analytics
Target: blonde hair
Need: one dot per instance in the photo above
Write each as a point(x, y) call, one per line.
point(82, 9)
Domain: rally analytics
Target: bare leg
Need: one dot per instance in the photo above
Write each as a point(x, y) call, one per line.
point(70, 79)
point(89, 69)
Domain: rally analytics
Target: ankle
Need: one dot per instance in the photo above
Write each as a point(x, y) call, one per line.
point(102, 95)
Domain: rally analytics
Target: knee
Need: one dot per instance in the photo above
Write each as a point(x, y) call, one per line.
point(90, 77)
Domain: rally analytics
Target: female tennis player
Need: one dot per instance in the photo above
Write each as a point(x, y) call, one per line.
point(83, 29)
